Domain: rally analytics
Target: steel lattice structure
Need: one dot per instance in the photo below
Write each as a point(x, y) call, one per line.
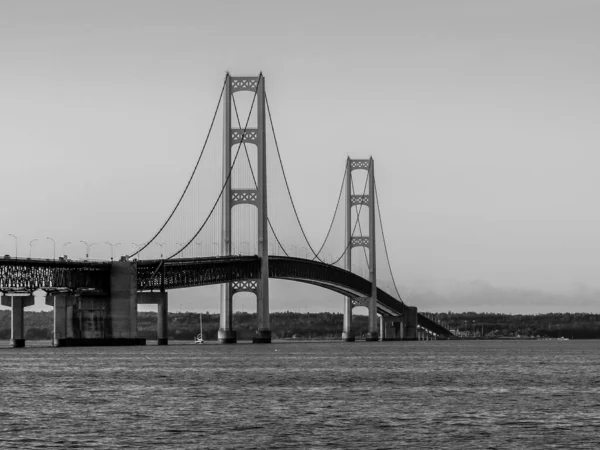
point(29, 275)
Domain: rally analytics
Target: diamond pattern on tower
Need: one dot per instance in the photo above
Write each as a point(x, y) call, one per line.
point(360, 301)
point(244, 84)
point(243, 286)
point(250, 135)
point(359, 199)
point(359, 164)
point(362, 241)
point(240, 196)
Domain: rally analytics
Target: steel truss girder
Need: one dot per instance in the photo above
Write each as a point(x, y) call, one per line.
point(29, 275)
point(191, 272)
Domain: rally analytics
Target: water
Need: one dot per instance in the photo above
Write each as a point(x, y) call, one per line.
point(470, 394)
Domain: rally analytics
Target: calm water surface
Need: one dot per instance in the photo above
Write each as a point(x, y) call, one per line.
point(471, 394)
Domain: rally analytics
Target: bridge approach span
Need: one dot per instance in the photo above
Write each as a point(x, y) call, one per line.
point(54, 276)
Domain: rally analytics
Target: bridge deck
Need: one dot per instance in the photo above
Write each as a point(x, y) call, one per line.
point(28, 275)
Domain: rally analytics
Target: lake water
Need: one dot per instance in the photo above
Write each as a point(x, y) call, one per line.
point(435, 394)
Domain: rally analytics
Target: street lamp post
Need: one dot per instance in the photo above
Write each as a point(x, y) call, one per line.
point(87, 248)
point(64, 246)
point(112, 249)
point(217, 245)
point(53, 248)
point(30, 245)
point(16, 245)
point(138, 251)
point(200, 244)
point(160, 244)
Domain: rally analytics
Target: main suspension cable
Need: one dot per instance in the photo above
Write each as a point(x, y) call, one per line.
point(193, 172)
point(316, 254)
point(334, 212)
point(385, 245)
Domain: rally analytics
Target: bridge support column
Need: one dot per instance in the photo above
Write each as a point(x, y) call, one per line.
point(123, 300)
point(263, 333)
point(368, 200)
point(162, 322)
point(226, 334)
point(162, 318)
point(410, 323)
point(17, 317)
point(381, 329)
point(61, 303)
point(372, 258)
point(391, 328)
point(347, 334)
point(255, 196)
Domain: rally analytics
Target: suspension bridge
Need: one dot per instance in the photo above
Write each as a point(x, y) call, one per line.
point(235, 224)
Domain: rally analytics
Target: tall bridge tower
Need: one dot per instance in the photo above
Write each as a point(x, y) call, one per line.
point(357, 200)
point(256, 196)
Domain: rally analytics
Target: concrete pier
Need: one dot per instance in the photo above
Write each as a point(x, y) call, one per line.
point(227, 336)
point(372, 336)
point(262, 337)
point(162, 320)
point(161, 299)
point(123, 305)
point(96, 317)
point(410, 324)
point(61, 303)
point(226, 333)
point(393, 328)
point(17, 316)
point(347, 333)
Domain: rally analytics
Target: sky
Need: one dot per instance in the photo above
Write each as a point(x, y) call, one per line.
point(482, 118)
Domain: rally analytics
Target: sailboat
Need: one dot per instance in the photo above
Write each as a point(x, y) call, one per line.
point(199, 339)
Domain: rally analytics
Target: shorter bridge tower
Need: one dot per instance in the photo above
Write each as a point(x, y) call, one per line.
point(357, 200)
point(256, 196)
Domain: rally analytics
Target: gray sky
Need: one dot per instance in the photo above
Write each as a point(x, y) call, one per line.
point(482, 118)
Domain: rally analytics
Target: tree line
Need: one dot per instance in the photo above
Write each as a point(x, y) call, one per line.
point(326, 325)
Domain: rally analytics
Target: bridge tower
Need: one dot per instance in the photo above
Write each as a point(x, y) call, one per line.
point(257, 197)
point(356, 200)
